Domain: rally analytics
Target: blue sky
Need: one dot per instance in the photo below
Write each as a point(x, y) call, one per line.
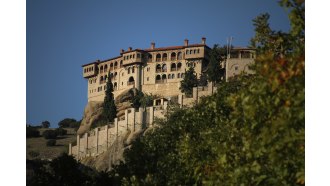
point(64, 34)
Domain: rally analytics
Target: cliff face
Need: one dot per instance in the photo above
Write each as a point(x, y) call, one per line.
point(93, 109)
point(92, 112)
point(114, 154)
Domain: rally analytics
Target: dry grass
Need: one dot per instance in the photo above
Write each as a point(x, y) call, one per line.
point(39, 145)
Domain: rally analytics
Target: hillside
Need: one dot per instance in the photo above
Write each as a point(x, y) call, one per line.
point(38, 145)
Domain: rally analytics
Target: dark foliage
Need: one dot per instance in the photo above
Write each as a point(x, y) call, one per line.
point(50, 134)
point(109, 107)
point(61, 131)
point(45, 124)
point(51, 142)
point(32, 132)
point(67, 123)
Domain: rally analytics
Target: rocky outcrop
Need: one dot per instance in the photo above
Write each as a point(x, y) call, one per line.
point(92, 113)
point(93, 109)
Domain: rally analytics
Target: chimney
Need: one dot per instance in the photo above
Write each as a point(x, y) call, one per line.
point(186, 41)
point(122, 50)
point(129, 48)
point(203, 40)
point(152, 45)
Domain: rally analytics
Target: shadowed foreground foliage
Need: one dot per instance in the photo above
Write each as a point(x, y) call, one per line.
point(251, 132)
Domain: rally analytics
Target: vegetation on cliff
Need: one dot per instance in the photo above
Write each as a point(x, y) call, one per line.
point(109, 107)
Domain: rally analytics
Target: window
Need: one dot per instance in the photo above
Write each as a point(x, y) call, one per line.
point(133, 69)
point(197, 51)
point(158, 57)
point(130, 56)
point(129, 70)
point(236, 67)
point(173, 56)
point(138, 55)
point(187, 51)
point(164, 57)
point(133, 56)
point(147, 78)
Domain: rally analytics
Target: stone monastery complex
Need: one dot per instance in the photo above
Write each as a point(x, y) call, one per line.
point(156, 71)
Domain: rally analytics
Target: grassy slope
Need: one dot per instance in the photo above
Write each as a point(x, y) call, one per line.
point(39, 145)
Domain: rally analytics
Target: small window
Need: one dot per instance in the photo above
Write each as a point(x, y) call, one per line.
point(197, 51)
point(138, 55)
point(130, 56)
point(133, 56)
point(147, 78)
point(236, 67)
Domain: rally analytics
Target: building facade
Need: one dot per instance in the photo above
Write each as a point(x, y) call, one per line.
point(156, 71)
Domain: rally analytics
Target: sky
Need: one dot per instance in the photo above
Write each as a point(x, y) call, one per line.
point(62, 35)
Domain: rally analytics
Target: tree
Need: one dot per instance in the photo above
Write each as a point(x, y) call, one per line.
point(109, 107)
point(67, 122)
point(189, 81)
point(214, 71)
point(45, 124)
point(50, 134)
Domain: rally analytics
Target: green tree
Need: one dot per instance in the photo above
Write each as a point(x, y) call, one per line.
point(45, 124)
point(67, 122)
point(189, 81)
point(109, 107)
point(214, 70)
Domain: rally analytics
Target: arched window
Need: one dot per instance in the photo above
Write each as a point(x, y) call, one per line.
point(129, 70)
point(111, 75)
point(173, 56)
point(179, 66)
point(164, 77)
point(101, 69)
point(169, 76)
point(164, 68)
point(178, 76)
point(105, 78)
point(158, 77)
point(164, 57)
point(173, 67)
point(92, 68)
point(121, 63)
point(111, 66)
point(130, 56)
point(158, 57)
point(195, 51)
point(105, 68)
point(173, 76)
point(158, 68)
point(187, 51)
point(179, 55)
point(101, 79)
point(182, 75)
point(116, 64)
point(149, 57)
point(115, 75)
point(130, 81)
point(115, 86)
point(133, 69)
point(190, 51)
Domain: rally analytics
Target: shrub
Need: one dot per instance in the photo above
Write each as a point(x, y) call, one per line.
point(61, 132)
point(45, 124)
point(34, 154)
point(32, 132)
point(50, 134)
point(66, 122)
point(51, 142)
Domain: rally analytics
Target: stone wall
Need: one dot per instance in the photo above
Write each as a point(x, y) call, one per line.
point(100, 139)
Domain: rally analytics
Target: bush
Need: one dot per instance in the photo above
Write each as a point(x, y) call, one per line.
point(61, 132)
point(50, 134)
point(51, 142)
point(66, 122)
point(45, 124)
point(34, 154)
point(32, 132)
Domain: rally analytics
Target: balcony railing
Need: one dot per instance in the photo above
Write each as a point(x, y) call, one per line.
point(130, 82)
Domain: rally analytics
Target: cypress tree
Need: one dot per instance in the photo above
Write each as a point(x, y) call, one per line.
point(214, 71)
point(189, 81)
point(109, 107)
